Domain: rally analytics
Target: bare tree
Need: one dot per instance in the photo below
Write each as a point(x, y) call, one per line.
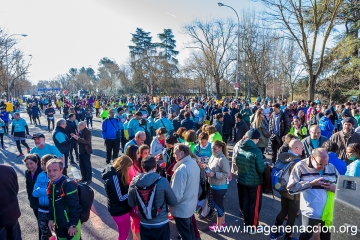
point(306, 22)
point(214, 39)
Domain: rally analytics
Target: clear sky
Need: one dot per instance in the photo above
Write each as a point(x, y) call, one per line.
point(75, 33)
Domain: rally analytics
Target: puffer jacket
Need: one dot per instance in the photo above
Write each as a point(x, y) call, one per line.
point(39, 191)
point(326, 127)
point(164, 196)
point(116, 191)
point(30, 183)
point(219, 164)
point(250, 163)
point(286, 157)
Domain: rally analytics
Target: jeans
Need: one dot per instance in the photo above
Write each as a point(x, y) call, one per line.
point(313, 222)
point(85, 166)
point(185, 228)
point(11, 232)
point(74, 147)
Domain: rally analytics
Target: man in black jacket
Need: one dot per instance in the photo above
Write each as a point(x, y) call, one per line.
point(279, 127)
point(63, 192)
point(177, 120)
point(9, 205)
point(85, 151)
point(62, 141)
point(226, 124)
point(233, 111)
point(72, 129)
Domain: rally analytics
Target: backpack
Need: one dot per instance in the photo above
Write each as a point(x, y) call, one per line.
point(145, 199)
point(280, 175)
point(86, 198)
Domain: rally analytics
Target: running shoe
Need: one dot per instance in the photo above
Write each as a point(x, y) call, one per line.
point(274, 236)
point(20, 155)
point(216, 228)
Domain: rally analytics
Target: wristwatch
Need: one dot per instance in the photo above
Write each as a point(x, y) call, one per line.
point(73, 226)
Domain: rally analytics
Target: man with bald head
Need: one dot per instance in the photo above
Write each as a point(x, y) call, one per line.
point(313, 141)
point(313, 177)
point(85, 151)
point(290, 204)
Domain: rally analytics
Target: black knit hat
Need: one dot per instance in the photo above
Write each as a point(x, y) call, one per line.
point(254, 134)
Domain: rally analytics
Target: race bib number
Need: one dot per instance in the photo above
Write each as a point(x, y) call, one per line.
point(144, 116)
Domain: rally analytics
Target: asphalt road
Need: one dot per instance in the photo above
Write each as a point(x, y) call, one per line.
point(100, 224)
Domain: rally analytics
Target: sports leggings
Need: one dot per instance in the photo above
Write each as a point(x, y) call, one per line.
point(217, 200)
point(2, 139)
point(23, 143)
point(123, 225)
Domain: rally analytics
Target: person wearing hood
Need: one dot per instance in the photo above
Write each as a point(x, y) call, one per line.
point(157, 227)
point(116, 185)
point(158, 143)
point(290, 204)
point(62, 141)
point(331, 147)
point(251, 167)
point(326, 125)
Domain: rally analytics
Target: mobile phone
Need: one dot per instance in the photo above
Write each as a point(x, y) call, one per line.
point(327, 181)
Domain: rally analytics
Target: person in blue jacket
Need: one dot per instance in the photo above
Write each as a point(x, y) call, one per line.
point(39, 192)
point(325, 124)
point(331, 147)
point(5, 117)
point(2, 127)
point(353, 153)
point(134, 124)
point(110, 128)
point(164, 122)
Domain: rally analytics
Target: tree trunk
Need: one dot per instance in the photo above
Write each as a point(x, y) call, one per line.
point(263, 90)
point(218, 93)
point(312, 83)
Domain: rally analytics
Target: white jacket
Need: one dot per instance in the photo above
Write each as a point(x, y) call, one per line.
point(185, 185)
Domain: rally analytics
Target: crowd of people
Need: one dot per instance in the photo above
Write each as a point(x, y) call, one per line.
point(167, 159)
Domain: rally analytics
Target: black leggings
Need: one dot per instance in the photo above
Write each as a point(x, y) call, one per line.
point(290, 208)
point(23, 143)
point(89, 120)
point(2, 139)
point(217, 200)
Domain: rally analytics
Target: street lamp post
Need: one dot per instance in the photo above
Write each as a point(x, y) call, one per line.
point(238, 49)
point(7, 64)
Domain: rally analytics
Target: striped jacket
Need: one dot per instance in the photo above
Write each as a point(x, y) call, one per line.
point(312, 199)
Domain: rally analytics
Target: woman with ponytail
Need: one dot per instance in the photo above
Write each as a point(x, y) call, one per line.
point(218, 171)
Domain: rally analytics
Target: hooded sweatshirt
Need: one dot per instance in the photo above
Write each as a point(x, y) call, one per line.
point(326, 127)
point(284, 158)
point(163, 196)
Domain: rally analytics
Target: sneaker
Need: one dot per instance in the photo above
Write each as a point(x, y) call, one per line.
point(252, 232)
point(216, 228)
point(20, 155)
point(290, 238)
point(274, 236)
point(28, 150)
